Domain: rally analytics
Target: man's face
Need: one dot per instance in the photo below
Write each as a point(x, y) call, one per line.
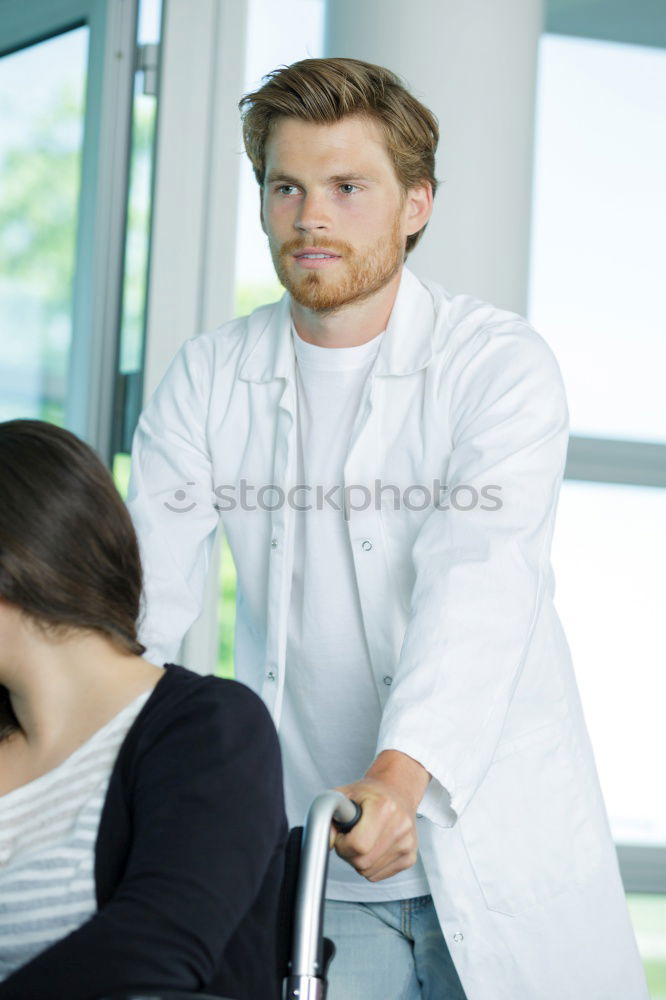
point(332, 191)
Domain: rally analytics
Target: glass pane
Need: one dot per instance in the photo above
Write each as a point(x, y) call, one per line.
point(42, 95)
point(150, 27)
point(599, 215)
point(226, 612)
point(648, 915)
point(120, 470)
point(609, 554)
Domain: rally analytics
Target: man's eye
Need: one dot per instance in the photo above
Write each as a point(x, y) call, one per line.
point(348, 188)
point(286, 188)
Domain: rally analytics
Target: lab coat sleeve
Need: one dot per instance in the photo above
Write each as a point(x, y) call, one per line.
point(170, 499)
point(480, 573)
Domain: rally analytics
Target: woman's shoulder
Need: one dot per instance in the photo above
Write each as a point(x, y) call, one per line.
point(180, 683)
point(185, 702)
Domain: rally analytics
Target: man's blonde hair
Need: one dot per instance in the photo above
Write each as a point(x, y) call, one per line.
point(323, 91)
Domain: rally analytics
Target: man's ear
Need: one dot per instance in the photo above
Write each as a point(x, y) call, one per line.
point(418, 206)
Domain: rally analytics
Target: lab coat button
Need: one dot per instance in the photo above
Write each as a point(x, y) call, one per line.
point(458, 938)
point(274, 543)
point(366, 545)
point(271, 675)
point(388, 680)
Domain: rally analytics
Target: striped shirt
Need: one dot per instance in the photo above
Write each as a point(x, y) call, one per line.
point(48, 830)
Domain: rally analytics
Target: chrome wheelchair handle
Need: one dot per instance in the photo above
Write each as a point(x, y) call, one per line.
point(309, 911)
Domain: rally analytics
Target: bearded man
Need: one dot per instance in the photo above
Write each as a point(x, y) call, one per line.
point(385, 459)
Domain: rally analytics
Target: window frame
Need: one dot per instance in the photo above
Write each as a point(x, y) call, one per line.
point(101, 221)
point(610, 460)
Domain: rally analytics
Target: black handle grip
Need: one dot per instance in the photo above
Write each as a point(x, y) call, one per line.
point(350, 824)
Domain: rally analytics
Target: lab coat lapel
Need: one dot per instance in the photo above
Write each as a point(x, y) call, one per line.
point(270, 356)
point(406, 348)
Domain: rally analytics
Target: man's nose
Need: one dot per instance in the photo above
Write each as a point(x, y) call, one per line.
point(313, 213)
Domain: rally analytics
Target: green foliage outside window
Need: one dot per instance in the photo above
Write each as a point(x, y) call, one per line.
point(251, 296)
point(226, 615)
point(648, 915)
point(39, 188)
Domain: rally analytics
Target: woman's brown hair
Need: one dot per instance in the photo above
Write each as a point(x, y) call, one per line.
point(69, 558)
point(323, 91)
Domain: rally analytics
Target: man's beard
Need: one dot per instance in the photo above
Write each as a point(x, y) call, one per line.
point(362, 275)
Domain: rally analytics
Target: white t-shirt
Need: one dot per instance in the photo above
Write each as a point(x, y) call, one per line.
point(48, 830)
point(331, 710)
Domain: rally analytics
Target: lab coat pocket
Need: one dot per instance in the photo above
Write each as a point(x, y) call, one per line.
point(530, 830)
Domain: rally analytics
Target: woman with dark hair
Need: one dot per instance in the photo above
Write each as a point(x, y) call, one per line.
point(141, 814)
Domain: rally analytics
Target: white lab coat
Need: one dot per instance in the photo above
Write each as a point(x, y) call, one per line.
point(457, 607)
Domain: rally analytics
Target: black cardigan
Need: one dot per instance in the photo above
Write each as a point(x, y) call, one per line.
point(188, 859)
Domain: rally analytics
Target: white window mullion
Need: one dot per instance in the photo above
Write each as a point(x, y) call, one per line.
point(101, 236)
point(601, 460)
point(191, 280)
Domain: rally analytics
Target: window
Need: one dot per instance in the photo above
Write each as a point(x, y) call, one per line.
point(42, 101)
point(64, 116)
point(598, 259)
point(609, 556)
point(599, 217)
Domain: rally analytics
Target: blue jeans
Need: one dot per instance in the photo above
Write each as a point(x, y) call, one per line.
point(389, 951)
